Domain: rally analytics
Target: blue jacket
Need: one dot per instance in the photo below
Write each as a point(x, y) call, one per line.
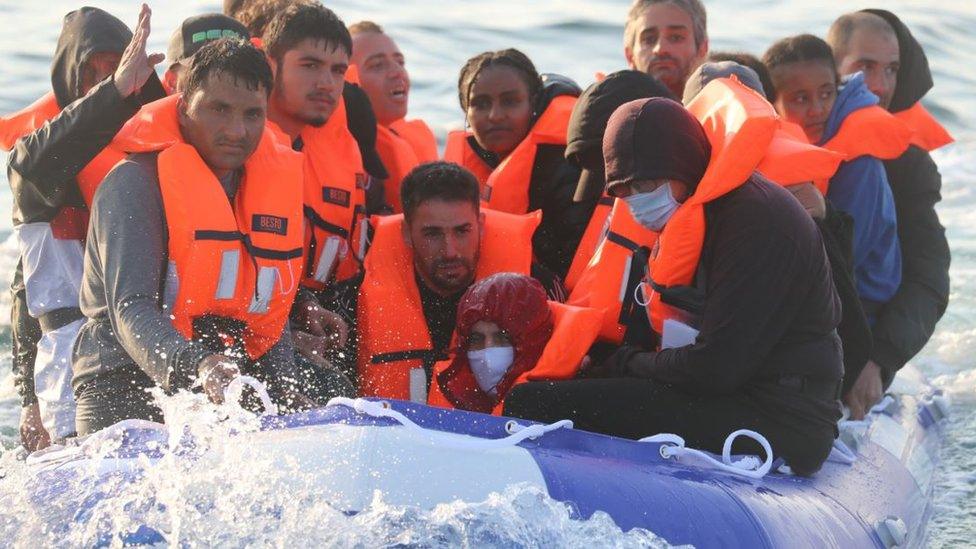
point(860, 188)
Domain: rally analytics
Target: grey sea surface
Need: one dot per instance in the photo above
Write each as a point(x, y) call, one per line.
point(579, 38)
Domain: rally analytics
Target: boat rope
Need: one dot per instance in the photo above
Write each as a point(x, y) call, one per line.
point(749, 466)
point(519, 433)
point(235, 389)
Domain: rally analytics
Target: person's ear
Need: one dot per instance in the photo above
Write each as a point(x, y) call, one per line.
point(181, 110)
point(481, 225)
point(703, 50)
point(629, 55)
point(405, 233)
point(274, 66)
point(170, 79)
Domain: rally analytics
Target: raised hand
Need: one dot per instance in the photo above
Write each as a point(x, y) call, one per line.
point(136, 66)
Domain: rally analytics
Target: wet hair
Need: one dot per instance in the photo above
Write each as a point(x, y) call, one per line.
point(797, 49)
point(444, 181)
point(363, 27)
point(746, 60)
point(510, 57)
point(694, 8)
point(231, 56)
point(843, 28)
point(256, 15)
point(301, 21)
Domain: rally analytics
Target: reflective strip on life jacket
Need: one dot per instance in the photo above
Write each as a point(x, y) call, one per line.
point(871, 131)
point(240, 261)
point(395, 350)
point(507, 188)
point(739, 124)
point(459, 151)
point(335, 200)
point(595, 230)
point(616, 267)
point(574, 331)
point(928, 133)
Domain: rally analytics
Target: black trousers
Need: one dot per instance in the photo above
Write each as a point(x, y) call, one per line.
point(636, 408)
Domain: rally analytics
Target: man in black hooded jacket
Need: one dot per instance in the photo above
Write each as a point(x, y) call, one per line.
point(100, 76)
point(896, 69)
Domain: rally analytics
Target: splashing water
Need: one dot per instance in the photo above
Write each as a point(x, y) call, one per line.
point(202, 484)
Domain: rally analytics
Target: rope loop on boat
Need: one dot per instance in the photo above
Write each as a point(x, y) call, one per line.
point(235, 389)
point(519, 432)
point(748, 466)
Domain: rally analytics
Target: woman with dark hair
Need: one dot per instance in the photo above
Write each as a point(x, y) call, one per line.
point(515, 147)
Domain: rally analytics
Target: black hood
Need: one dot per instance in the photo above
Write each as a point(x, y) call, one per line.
point(914, 76)
point(86, 31)
point(554, 85)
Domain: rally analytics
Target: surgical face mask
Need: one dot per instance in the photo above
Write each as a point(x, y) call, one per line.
point(653, 209)
point(490, 365)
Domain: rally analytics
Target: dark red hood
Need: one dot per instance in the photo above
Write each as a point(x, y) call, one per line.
point(517, 304)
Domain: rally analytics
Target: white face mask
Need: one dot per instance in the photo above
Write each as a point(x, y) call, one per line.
point(490, 365)
point(653, 209)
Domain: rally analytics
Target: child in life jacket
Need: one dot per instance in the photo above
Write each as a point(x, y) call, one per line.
point(834, 117)
point(508, 333)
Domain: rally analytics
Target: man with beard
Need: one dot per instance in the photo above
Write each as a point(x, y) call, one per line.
point(419, 265)
point(878, 44)
point(666, 39)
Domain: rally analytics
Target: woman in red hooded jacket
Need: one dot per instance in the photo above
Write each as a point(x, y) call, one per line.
point(508, 333)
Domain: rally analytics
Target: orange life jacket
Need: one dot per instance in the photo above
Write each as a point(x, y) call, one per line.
point(791, 159)
point(507, 188)
point(929, 134)
point(402, 146)
point(240, 261)
point(617, 265)
point(595, 230)
point(740, 124)
point(574, 331)
point(395, 340)
point(335, 201)
point(459, 151)
point(29, 120)
point(871, 131)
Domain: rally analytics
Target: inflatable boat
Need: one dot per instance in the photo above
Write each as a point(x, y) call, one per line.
point(874, 491)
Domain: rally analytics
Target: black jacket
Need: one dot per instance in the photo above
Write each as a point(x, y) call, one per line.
point(768, 309)
point(43, 164)
point(906, 323)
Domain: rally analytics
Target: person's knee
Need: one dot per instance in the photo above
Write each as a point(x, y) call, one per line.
point(527, 400)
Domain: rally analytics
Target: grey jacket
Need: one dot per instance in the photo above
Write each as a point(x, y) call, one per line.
point(122, 290)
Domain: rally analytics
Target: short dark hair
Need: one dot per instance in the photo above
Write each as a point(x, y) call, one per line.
point(797, 49)
point(438, 180)
point(256, 15)
point(232, 56)
point(746, 60)
point(301, 21)
point(510, 57)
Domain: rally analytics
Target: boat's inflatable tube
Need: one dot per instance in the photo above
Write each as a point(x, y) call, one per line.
point(875, 491)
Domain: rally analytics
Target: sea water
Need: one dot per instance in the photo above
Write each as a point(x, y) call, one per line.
point(573, 37)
